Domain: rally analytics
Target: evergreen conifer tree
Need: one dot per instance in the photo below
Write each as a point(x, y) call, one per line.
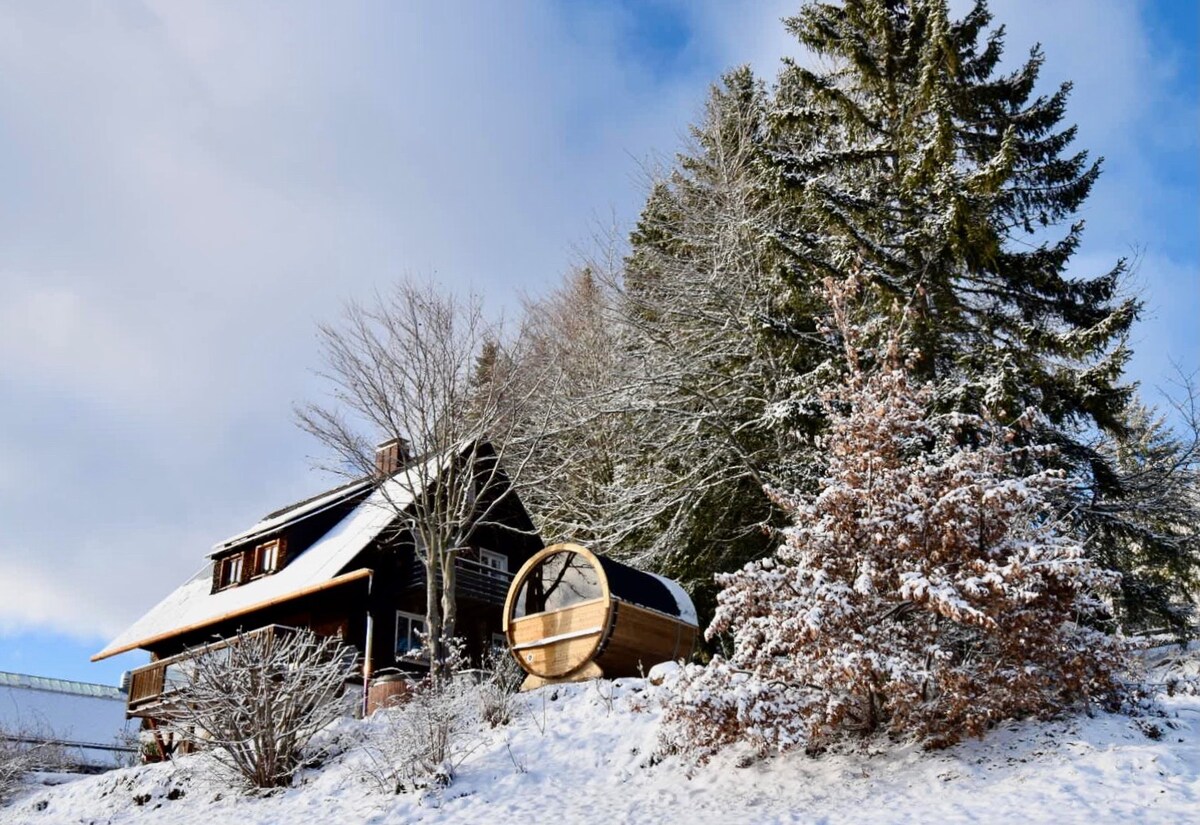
point(952, 189)
point(1149, 525)
point(913, 161)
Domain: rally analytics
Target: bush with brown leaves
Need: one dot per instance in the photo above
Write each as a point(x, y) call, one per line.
point(927, 592)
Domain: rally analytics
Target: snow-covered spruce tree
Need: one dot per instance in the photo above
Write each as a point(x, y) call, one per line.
point(927, 592)
point(1151, 525)
point(910, 158)
point(897, 147)
point(905, 151)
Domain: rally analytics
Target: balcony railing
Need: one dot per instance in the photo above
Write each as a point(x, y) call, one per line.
point(473, 580)
point(155, 684)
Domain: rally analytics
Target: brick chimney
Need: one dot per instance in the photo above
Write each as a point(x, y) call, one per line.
point(391, 456)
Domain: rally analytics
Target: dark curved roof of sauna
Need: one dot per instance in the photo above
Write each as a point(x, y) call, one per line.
point(646, 590)
point(640, 588)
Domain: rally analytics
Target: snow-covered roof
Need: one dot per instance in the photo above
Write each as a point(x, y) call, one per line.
point(87, 721)
point(687, 610)
point(296, 512)
point(193, 605)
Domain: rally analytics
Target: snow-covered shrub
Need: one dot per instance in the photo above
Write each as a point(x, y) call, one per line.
point(1171, 669)
point(254, 705)
point(23, 750)
point(926, 592)
point(419, 744)
point(498, 688)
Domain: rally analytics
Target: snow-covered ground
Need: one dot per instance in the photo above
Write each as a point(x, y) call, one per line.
point(583, 754)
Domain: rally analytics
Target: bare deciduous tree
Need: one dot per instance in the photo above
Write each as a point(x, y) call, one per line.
point(431, 370)
point(675, 404)
point(254, 704)
point(575, 483)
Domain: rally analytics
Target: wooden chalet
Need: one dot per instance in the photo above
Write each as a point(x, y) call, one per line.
point(338, 563)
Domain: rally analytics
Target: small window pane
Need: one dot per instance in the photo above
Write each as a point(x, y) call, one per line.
point(408, 633)
point(493, 561)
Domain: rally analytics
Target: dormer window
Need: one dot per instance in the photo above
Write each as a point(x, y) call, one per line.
point(230, 571)
point(261, 560)
point(267, 558)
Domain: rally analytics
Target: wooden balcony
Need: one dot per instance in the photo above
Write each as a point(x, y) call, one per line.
point(154, 686)
point(473, 581)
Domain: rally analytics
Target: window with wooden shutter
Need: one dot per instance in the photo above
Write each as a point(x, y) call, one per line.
point(269, 557)
point(260, 560)
point(230, 571)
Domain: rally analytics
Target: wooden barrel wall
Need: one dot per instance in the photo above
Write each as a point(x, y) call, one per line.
point(572, 615)
point(388, 691)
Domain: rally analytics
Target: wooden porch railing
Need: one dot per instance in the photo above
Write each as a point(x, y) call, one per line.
point(152, 685)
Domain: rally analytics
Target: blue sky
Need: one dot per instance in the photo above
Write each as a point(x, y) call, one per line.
point(189, 188)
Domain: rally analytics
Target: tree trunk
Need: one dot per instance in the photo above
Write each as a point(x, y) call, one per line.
point(449, 593)
point(433, 622)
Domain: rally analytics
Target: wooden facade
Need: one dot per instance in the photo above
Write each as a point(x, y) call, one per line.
point(366, 590)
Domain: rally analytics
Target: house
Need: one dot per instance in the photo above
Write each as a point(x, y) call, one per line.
point(72, 725)
point(343, 563)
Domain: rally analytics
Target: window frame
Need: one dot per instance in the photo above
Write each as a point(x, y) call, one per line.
point(271, 551)
point(408, 635)
point(231, 571)
point(489, 569)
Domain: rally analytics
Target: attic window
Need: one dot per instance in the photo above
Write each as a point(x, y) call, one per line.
point(230, 571)
point(239, 568)
point(267, 557)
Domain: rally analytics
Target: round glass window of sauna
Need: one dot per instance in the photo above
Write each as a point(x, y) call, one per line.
point(558, 581)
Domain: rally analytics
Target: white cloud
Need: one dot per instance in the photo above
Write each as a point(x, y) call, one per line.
point(199, 184)
point(191, 186)
point(53, 333)
point(92, 591)
point(1166, 340)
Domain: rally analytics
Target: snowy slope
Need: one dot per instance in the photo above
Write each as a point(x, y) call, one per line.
point(581, 754)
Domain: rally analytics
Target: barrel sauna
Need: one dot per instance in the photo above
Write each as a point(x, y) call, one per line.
point(572, 615)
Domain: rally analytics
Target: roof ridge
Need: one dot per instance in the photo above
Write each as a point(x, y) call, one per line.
point(314, 497)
